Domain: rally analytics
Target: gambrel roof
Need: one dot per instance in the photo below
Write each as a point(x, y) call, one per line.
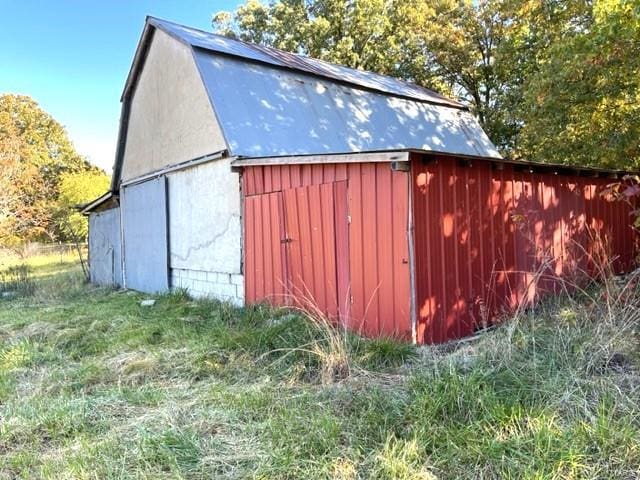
point(271, 103)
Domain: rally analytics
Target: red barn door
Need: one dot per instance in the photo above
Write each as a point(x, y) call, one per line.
point(265, 262)
point(297, 248)
point(344, 229)
point(317, 253)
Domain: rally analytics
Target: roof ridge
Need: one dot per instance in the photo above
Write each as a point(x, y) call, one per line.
point(334, 64)
point(363, 78)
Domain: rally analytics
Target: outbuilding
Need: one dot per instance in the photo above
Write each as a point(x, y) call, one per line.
point(254, 175)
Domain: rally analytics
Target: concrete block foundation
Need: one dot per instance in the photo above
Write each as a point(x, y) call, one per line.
point(201, 284)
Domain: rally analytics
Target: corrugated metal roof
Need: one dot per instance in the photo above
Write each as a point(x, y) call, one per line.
point(271, 112)
point(217, 43)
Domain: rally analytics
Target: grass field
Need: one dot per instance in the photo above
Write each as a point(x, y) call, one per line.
point(93, 385)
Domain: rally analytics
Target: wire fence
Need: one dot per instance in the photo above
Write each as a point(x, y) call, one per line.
point(17, 264)
point(30, 250)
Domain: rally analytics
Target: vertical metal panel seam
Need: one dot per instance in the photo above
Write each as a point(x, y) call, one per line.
point(394, 248)
point(312, 243)
point(269, 219)
point(469, 234)
point(427, 204)
point(167, 229)
point(258, 254)
point(242, 232)
point(503, 228)
point(122, 252)
point(376, 252)
point(514, 237)
point(481, 236)
point(413, 312)
point(321, 236)
point(456, 247)
point(493, 291)
point(362, 259)
point(442, 255)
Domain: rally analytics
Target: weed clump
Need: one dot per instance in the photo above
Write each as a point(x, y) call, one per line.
point(17, 280)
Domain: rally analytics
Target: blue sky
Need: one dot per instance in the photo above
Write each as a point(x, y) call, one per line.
point(73, 57)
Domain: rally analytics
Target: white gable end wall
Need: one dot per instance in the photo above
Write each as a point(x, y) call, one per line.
point(171, 119)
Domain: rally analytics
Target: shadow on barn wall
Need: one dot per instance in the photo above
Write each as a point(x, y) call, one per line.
point(490, 240)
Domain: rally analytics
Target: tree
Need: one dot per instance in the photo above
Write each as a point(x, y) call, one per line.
point(463, 43)
point(23, 208)
point(76, 189)
point(360, 34)
point(35, 153)
point(49, 147)
point(582, 106)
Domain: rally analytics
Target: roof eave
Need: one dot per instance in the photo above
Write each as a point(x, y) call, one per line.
point(533, 166)
point(391, 155)
point(89, 207)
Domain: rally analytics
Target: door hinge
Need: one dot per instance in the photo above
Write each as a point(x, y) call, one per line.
point(351, 299)
point(349, 219)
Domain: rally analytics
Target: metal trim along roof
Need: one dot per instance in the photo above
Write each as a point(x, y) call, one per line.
point(279, 58)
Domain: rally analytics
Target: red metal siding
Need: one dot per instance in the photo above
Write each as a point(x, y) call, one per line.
point(310, 225)
point(263, 250)
point(378, 250)
point(370, 274)
point(342, 250)
point(482, 234)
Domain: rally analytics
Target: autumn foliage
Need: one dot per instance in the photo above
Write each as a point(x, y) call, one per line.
point(38, 169)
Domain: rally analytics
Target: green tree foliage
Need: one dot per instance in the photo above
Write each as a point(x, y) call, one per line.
point(548, 79)
point(582, 106)
point(360, 34)
point(77, 189)
point(35, 156)
point(45, 141)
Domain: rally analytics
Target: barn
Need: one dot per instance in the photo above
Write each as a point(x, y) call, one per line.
point(252, 175)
